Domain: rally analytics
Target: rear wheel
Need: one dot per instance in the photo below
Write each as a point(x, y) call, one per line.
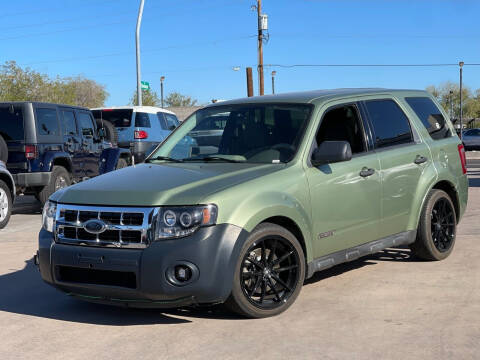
point(5, 204)
point(111, 133)
point(269, 273)
point(60, 179)
point(437, 227)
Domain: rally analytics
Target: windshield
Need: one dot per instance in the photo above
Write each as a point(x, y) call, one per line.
point(258, 133)
point(118, 117)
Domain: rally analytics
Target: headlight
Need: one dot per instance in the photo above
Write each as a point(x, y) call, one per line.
point(48, 215)
point(176, 222)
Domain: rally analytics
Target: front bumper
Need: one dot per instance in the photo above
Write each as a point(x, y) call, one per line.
point(32, 179)
point(142, 278)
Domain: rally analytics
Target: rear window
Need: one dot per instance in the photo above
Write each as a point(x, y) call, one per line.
point(47, 122)
point(118, 117)
point(11, 123)
point(143, 119)
point(430, 116)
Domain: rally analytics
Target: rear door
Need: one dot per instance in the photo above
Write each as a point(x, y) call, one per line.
point(72, 141)
point(402, 155)
point(90, 145)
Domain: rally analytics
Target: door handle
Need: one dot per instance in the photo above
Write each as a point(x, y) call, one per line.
point(367, 172)
point(419, 159)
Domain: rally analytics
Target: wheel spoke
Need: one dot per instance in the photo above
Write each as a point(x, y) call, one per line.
point(255, 262)
point(272, 251)
point(257, 284)
point(249, 274)
point(285, 268)
point(274, 290)
point(281, 282)
point(264, 254)
point(280, 259)
point(264, 290)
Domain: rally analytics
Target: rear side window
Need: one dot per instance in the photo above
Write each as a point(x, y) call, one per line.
point(390, 124)
point(85, 123)
point(172, 121)
point(47, 122)
point(118, 117)
point(11, 123)
point(430, 116)
point(142, 119)
point(69, 126)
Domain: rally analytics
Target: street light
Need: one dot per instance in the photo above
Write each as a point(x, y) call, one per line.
point(273, 81)
point(162, 79)
point(236, 68)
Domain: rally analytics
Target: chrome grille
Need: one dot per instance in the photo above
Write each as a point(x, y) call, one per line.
point(124, 227)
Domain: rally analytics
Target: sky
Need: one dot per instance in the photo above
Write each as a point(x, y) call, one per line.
point(196, 44)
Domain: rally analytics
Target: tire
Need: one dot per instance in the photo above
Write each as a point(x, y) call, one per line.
point(6, 204)
point(111, 133)
point(250, 280)
point(60, 179)
point(3, 150)
point(121, 163)
point(436, 231)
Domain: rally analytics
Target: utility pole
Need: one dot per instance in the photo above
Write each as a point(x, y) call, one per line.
point(260, 47)
point(137, 46)
point(451, 104)
point(273, 81)
point(162, 79)
point(249, 82)
point(461, 63)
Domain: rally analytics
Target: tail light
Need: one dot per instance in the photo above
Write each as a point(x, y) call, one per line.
point(140, 134)
point(30, 152)
point(463, 158)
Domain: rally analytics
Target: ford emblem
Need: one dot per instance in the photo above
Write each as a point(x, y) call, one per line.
point(94, 226)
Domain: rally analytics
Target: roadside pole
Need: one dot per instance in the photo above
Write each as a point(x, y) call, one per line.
point(137, 46)
point(162, 79)
point(260, 48)
point(461, 98)
point(249, 82)
point(273, 81)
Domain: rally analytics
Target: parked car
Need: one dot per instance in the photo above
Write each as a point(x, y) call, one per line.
point(140, 128)
point(471, 139)
point(7, 195)
point(298, 183)
point(50, 146)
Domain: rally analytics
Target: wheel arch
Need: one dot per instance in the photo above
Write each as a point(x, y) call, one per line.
point(10, 183)
point(450, 189)
point(64, 162)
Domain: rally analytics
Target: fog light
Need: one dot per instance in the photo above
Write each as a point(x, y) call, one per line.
point(183, 273)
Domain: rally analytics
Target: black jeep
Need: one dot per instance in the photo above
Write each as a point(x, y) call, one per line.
point(50, 146)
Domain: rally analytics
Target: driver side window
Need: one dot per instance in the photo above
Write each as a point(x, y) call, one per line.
point(342, 123)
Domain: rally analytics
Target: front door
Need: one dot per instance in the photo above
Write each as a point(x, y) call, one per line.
point(402, 160)
point(72, 142)
point(346, 195)
point(90, 145)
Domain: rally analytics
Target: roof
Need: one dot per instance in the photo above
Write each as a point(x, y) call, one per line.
point(314, 95)
point(37, 103)
point(147, 109)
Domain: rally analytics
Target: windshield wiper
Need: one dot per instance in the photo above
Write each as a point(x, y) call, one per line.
point(214, 158)
point(166, 158)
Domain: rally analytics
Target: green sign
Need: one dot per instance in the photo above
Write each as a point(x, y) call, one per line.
point(145, 85)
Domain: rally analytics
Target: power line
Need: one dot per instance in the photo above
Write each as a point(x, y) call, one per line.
point(369, 65)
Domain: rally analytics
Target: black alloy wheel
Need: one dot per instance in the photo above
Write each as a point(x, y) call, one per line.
point(270, 272)
point(443, 224)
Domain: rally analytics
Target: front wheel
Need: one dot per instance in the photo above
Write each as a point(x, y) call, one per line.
point(269, 273)
point(437, 227)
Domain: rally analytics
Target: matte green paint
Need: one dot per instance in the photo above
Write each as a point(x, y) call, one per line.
point(332, 205)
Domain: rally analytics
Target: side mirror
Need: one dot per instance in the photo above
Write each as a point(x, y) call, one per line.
point(101, 133)
point(172, 127)
point(331, 152)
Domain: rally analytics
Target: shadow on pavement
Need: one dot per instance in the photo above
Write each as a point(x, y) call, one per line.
point(26, 205)
point(24, 292)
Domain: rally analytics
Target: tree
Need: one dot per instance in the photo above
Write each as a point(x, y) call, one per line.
point(149, 98)
point(177, 99)
point(17, 84)
point(448, 95)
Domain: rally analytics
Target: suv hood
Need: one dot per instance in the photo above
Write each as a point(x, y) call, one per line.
point(161, 184)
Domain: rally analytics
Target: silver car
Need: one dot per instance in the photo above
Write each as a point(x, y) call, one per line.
point(7, 195)
point(471, 139)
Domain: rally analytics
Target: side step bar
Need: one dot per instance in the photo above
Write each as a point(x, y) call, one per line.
point(327, 261)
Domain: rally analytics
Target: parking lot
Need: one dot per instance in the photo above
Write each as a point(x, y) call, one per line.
point(383, 306)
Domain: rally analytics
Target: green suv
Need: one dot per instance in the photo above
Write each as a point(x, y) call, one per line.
point(248, 198)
